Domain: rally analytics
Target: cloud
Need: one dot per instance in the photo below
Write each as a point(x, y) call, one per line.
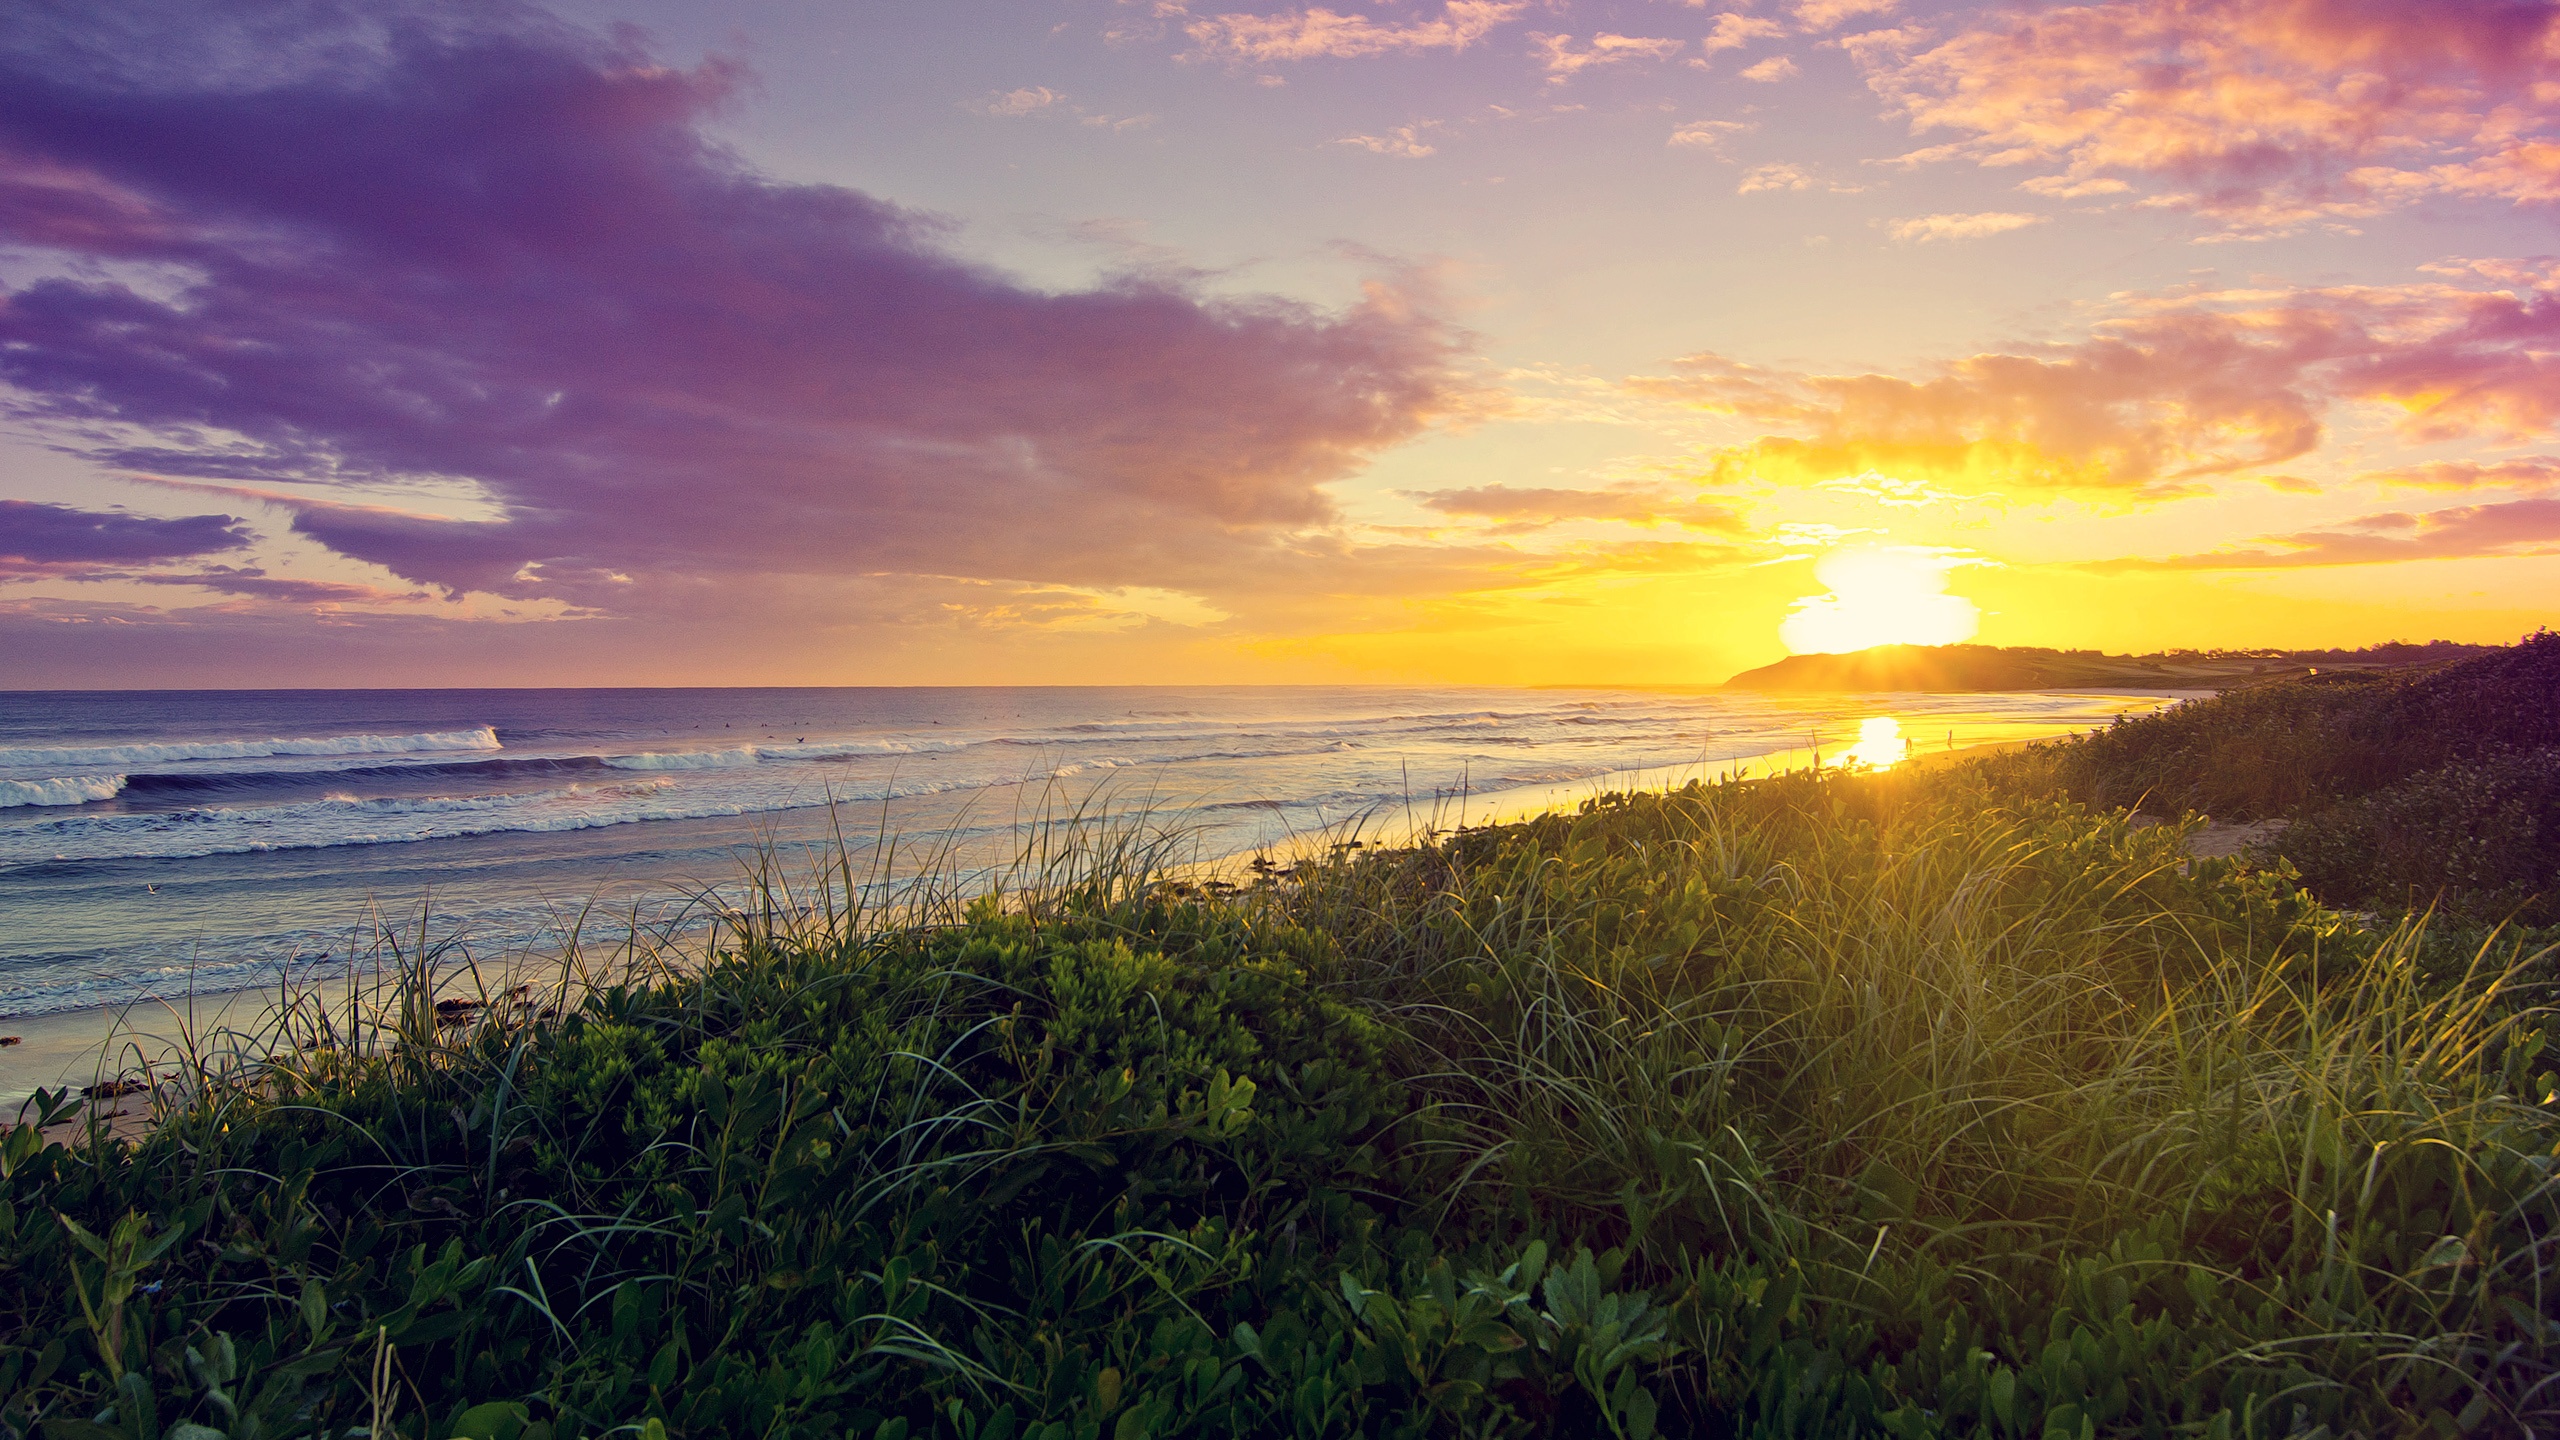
point(1733, 32)
point(1925, 228)
point(1041, 100)
point(1706, 134)
point(256, 583)
point(1761, 179)
point(1892, 491)
point(37, 538)
point(1773, 177)
point(1025, 101)
point(1817, 15)
point(1319, 33)
point(2532, 472)
point(1563, 62)
point(1530, 508)
point(2064, 187)
point(1404, 140)
point(2150, 407)
point(1775, 68)
point(503, 258)
point(2171, 392)
point(2263, 114)
point(2510, 528)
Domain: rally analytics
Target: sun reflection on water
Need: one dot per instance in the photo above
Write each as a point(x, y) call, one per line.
point(1880, 744)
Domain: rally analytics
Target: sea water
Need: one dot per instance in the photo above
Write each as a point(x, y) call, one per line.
point(158, 843)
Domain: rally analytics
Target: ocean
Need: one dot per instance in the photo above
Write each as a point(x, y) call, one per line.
point(163, 843)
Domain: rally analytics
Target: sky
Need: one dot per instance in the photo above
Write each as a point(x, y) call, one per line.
point(1196, 341)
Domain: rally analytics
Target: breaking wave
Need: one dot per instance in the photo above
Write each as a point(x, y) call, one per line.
point(60, 790)
point(482, 737)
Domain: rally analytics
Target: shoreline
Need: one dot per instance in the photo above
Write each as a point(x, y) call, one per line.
point(74, 1047)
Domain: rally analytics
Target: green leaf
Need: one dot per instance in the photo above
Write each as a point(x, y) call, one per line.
point(492, 1420)
point(88, 1242)
point(1641, 1413)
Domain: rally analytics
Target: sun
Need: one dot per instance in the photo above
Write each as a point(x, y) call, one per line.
point(1879, 595)
point(1880, 744)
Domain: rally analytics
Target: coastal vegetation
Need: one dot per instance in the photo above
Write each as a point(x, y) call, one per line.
point(2029, 667)
point(2394, 789)
point(1960, 1102)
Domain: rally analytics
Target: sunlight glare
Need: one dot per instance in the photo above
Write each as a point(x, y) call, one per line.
point(1880, 744)
point(1879, 596)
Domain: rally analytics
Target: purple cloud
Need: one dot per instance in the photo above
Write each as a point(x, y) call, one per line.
point(2529, 526)
point(255, 583)
point(39, 539)
point(1532, 507)
point(504, 253)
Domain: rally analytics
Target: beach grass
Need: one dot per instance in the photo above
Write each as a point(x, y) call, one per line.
point(1844, 1104)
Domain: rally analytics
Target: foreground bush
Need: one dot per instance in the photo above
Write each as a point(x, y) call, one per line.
point(1870, 1106)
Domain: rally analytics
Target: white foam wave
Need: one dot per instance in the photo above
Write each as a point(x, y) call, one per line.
point(481, 737)
point(685, 759)
point(742, 755)
point(1085, 767)
point(849, 749)
point(60, 790)
point(343, 820)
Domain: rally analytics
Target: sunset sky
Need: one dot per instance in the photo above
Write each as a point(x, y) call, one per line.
point(1088, 341)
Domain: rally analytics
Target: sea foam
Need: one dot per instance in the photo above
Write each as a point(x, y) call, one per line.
point(60, 790)
point(739, 755)
point(482, 737)
point(685, 759)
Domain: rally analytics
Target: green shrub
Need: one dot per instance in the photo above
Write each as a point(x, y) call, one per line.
point(1832, 1106)
point(2480, 839)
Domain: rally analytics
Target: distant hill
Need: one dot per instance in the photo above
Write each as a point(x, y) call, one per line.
point(2018, 667)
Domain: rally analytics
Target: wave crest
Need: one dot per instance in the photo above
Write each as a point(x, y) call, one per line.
point(60, 790)
point(480, 737)
point(685, 759)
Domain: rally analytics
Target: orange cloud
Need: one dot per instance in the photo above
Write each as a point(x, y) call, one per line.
point(2265, 114)
point(1826, 14)
point(1404, 140)
point(2172, 391)
point(1563, 61)
point(1317, 32)
point(1925, 228)
point(1761, 179)
point(1706, 134)
point(1733, 31)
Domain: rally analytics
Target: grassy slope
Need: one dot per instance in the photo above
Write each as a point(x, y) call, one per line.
point(2441, 785)
point(1901, 1105)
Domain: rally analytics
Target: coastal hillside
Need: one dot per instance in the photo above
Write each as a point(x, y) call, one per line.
point(2393, 788)
point(2018, 667)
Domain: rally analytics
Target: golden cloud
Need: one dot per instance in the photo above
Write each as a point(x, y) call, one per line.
point(2167, 394)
